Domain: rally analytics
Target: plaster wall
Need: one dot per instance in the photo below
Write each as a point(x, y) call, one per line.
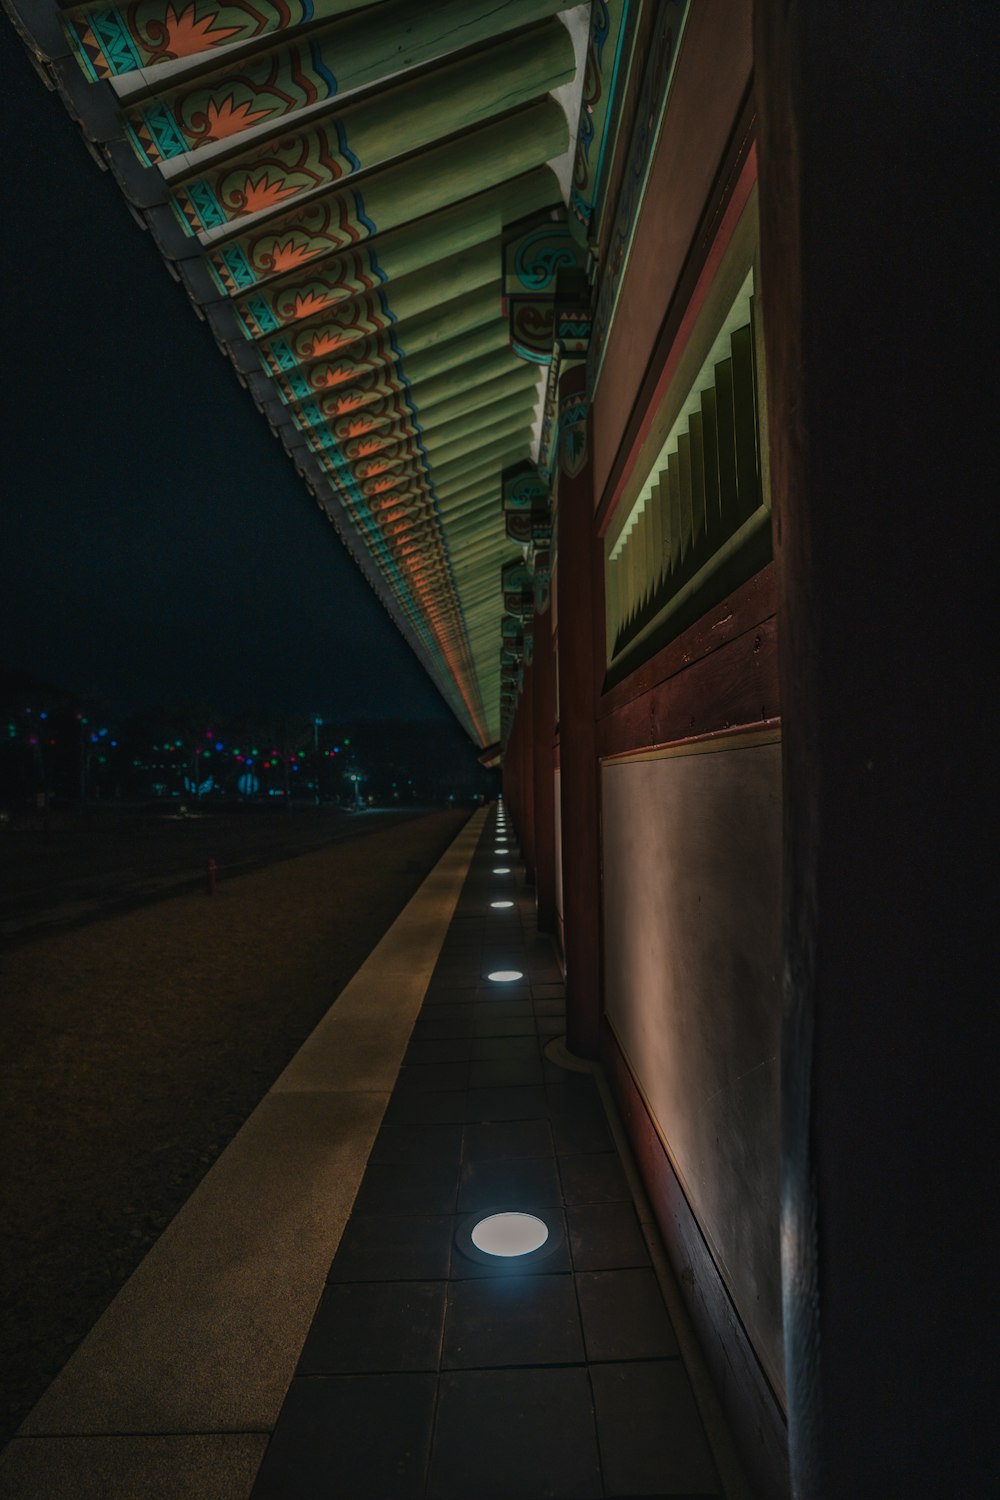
point(692, 873)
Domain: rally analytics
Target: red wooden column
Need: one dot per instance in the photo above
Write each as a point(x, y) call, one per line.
point(510, 772)
point(579, 799)
point(875, 272)
point(526, 823)
point(543, 716)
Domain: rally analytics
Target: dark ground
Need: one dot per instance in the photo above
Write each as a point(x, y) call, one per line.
point(133, 1046)
point(93, 861)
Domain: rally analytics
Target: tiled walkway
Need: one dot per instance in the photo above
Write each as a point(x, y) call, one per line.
point(432, 1370)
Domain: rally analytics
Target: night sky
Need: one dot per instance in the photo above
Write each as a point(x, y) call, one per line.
point(157, 544)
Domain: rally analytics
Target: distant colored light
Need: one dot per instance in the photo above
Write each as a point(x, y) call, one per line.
point(114, 744)
point(33, 740)
point(502, 870)
point(505, 976)
point(102, 733)
point(501, 905)
point(510, 1234)
point(43, 716)
point(219, 745)
point(347, 742)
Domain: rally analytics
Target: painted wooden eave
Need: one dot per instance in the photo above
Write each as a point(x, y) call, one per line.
point(330, 181)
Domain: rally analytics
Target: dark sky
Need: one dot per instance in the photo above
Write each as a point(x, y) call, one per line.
point(157, 544)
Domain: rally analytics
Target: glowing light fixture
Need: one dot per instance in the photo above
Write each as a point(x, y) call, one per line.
point(501, 904)
point(510, 1234)
point(501, 870)
point(505, 976)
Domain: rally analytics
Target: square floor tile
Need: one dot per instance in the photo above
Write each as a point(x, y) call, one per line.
point(504, 1048)
point(507, 994)
point(577, 1099)
point(649, 1431)
point(605, 1237)
point(411, 1187)
point(386, 1247)
point(514, 1435)
point(495, 1009)
point(505, 1104)
point(549, 1006)
point(494, 1025)
point(424, 1050)
point(512, 1320)
point(366, 1435)
point(573, 1136)
point(495, 1186)
point(452, 987)
point(428, 1077)
point(551, 1026)
point(441, 1107)
point(428, 1144)
point(501, 1072)
point(432, 1025)
point(597, 1177)
point(378, 1326)
point(507, 1140)
point(624, 1316)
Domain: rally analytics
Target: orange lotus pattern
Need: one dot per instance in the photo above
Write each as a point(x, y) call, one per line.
point(287, 256)
point(307, 303)
point(186, 34)
point(264, 192)
point(227, 118)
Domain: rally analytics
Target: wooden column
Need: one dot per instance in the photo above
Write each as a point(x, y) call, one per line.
point(579, 804)
point(526, 827)
point(875, 257)
point(543, 726)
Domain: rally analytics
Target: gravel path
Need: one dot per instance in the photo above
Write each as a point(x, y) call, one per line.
point(132, 1050)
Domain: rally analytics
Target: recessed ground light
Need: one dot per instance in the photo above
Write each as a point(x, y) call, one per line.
point(505, 976)
point(501, 870)
point(501, 904)
point(510, 1234)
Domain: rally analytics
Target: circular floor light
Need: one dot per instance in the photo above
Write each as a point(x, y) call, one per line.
point(501, 870)
point(505, 976)
point(501, 905)
point(510, 1234)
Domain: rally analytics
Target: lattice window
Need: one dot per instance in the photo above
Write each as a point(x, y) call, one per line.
point(698, 524)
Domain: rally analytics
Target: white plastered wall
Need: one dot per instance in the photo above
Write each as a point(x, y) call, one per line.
point(692, 875)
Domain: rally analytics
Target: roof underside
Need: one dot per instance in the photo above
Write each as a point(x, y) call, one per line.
point(331, 181)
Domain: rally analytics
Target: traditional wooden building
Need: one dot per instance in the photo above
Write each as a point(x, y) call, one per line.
point(625, 346)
